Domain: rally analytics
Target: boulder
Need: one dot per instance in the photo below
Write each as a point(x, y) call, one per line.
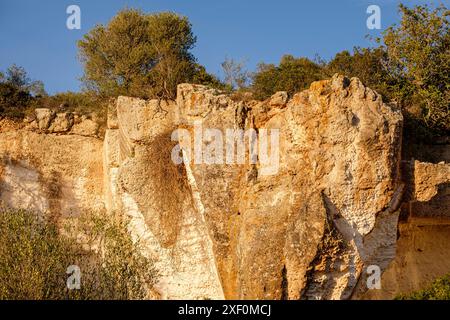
point(62, 122)
point(44, 117)
point(279, 99)
point(86, 127)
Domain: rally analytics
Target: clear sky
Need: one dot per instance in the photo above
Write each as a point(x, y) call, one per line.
point(33, 34)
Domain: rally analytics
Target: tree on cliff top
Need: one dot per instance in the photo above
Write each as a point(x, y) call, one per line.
point(17, 91)
point(419, 52)
point(144, 55)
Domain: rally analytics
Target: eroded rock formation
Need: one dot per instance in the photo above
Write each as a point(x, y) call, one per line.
point(59, 175)
point(423, 247)
point(306, 226)
point(306, 231)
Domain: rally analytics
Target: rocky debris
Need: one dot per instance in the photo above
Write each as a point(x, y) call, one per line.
point(29, 118)
point(44, 117)
point(86, 127)
point(9, 125)
point(48, 121)
point(63, 122)
point(279, 99)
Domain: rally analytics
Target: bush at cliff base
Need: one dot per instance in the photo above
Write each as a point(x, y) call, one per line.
point(438, 290)
point(35, 255)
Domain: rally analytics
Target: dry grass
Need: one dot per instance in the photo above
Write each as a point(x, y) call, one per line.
point(170, 184)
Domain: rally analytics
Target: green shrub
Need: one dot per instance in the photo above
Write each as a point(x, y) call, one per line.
point(80, 102)
point(438, 290)
point(291, 75)
point(35, 254)
point(13, 102)
point(418, 51)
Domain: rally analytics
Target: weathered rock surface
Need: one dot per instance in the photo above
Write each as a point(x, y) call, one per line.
point(48, 121)
point(59, 175)
point(44, 117)
point(86, 127)
point(308, 230)
point(144, 184)
point(62, 122)
point(423, 246)
point(304, 225)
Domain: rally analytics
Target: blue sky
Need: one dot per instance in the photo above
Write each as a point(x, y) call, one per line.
point(33, 34)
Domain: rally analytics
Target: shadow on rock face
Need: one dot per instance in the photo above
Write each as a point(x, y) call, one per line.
point(158, 186)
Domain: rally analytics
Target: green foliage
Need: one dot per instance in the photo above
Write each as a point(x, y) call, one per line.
point(201, 76)
point(13, 102)
point(34, 257)
point(372, 67)
point(18, 78)
point(291, 75)
point(438, 290)
point(411, 68)
point(80, 102)
point(17, 91)
point(138, 54)
point(19, 95)
point(418, 50)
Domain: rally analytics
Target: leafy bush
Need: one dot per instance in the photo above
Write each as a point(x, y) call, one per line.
point(13, 102)
point(371, 66)
point(80, 102)
point(291, 75)
point(418, 50)
point(34, 257)
point(411, 67)
point(17, 91)
point(438, 290)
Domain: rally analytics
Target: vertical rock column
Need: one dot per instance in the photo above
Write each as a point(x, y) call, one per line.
point(144, 184)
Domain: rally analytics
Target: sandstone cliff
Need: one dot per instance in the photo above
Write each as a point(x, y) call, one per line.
point(303, 226)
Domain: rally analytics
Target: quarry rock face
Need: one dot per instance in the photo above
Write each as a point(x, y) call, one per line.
point(57, 175)
point(310, 229)
point(288, 198)
point(424, 232)
point(147, 187)
point(431, 190)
